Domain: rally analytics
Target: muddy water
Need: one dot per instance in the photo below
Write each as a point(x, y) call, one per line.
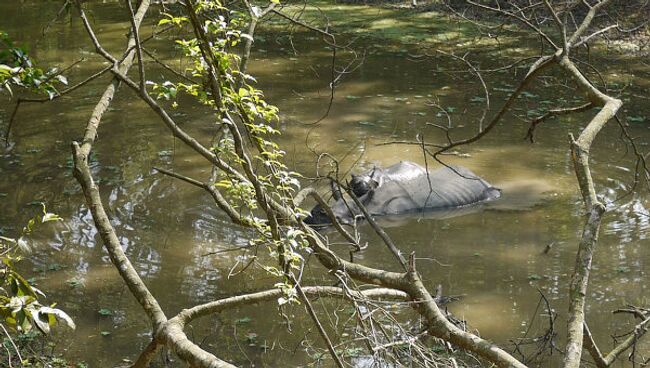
point(494, 256)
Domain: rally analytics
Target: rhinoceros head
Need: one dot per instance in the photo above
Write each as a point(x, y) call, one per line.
point(362, 186)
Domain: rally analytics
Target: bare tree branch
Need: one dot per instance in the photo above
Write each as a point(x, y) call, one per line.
point(551, 113)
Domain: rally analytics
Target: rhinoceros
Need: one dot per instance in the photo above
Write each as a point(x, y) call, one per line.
point(406, 187)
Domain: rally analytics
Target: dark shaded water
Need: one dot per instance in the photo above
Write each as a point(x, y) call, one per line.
point(495, 257)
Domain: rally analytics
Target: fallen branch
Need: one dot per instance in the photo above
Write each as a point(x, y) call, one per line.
point(607, 360)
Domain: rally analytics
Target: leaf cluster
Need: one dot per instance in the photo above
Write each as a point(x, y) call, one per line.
point(20, 308)
point(248, 128)
point(17, 69)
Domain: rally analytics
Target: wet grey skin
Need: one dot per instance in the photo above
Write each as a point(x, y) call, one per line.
point(406, 187)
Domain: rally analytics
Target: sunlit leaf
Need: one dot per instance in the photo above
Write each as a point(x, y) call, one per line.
point(59, 314)
point(42, 322)
point(62, 79)
point(48, 216)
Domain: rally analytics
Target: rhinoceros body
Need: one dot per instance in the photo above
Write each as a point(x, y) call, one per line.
point(408, 187)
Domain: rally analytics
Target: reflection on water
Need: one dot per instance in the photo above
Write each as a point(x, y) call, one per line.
point(497, 256)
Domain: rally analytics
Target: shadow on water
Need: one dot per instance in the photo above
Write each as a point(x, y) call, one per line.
point(496, 255)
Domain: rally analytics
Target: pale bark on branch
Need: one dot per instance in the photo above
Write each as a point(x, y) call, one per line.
point(91, 191)
point(580, 149)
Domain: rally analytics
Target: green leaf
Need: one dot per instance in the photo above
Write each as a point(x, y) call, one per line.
point(636, 119)
point(62, 79)
point(21, 286)
point(59, 315)
point(54, 267)
point(42, 322)
point(74, 282)
point(105, 312)
point(243, 320)
point(477, 99)
point(23, 245)
point(528, 94)
point(48, 216)
point(251, 338)
point(8, 87)
point(622, 269)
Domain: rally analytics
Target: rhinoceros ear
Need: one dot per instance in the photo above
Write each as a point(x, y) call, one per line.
point(376, 178)
point(336, 191)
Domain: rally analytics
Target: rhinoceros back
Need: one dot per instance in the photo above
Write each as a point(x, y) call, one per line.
point(453, 186)
point(456, 186)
